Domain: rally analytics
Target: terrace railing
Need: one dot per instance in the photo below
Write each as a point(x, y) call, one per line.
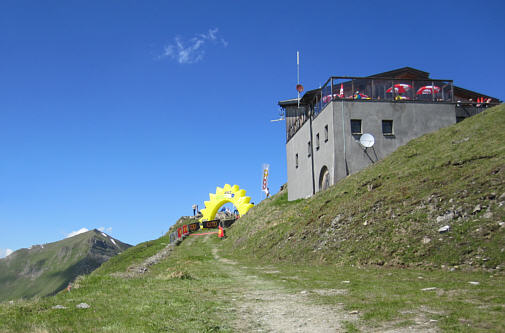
point(383, 89)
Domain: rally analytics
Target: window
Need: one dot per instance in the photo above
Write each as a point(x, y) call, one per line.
point(355, 126)
point(387, 127)
point(309, 148)
point(317, 141)
point(326, 133)
point(296, 160)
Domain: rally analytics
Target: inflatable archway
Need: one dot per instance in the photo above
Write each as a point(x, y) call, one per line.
point(222, 196)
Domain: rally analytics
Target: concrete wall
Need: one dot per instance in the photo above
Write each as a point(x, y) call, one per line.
point(299, 179)
point(410, 120)
point(325, 155)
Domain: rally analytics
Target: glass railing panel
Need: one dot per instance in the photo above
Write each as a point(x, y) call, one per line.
point(383, 90)
point(362, 89)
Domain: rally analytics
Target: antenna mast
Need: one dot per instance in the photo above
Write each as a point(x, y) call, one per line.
point(298, 74)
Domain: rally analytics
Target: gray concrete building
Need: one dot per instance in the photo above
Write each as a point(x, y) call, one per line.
point(324, 128)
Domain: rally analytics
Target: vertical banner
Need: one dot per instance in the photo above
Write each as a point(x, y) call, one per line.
point(264, 184)
point(185, 229)
point(179, 232)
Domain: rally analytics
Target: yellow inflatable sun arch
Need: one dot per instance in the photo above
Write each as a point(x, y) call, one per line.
point(232, 194)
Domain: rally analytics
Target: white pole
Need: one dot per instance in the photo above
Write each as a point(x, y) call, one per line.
point(298, 74)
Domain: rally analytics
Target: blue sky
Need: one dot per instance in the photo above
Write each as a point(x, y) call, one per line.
point(122, 114)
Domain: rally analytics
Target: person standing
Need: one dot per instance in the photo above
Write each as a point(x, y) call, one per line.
point(195, 207)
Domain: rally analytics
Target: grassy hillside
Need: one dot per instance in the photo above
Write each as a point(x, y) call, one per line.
point(46, 269)
point(192, 290)
point(391, 212)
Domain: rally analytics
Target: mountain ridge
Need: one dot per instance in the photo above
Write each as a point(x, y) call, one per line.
point(43, 270)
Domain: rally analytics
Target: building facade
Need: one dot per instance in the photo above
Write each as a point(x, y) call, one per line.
point(324, 128)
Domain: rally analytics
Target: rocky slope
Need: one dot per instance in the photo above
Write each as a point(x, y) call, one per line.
point(46, 269)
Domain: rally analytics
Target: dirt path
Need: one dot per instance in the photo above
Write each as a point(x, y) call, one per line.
point(264, 306)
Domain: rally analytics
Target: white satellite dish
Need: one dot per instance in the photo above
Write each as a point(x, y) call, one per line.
point(367, 140)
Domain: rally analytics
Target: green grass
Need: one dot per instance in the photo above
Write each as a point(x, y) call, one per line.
point(389, 296)
point(175, 295)
point(191, 292)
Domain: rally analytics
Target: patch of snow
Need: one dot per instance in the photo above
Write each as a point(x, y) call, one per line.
point(113, 241)
point(104, 235)
point(429, 289)
point(475, 283)
point(77, 232)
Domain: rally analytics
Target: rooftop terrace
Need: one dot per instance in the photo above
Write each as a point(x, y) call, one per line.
point(404, 85)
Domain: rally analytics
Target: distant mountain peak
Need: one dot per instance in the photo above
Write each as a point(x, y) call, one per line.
point(45, 269)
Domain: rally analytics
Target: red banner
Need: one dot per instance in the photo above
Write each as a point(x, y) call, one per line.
point(185, 229)
point(179, 232)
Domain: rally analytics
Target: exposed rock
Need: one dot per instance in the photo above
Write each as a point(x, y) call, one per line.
point(336, 220)
point(353, 312)
point(59, 307)
point(346, 281)
point(83, 306)
point(445, 228)
point(488, 215)
point(445, 218)
point(426, 240)
point(477, 209)
point(502, 196)
point(475, 283)
point(429, 289)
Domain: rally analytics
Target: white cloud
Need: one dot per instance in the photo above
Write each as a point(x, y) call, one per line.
point(74, 233)
point(192, 50)
point(109, 229)
point(5, 252)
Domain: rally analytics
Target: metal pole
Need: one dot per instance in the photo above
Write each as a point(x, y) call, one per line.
point(298, 74)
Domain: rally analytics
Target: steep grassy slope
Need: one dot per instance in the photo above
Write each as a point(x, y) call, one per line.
point(46, 269)
point(391, 212)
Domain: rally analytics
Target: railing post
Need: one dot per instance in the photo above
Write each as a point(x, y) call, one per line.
point(452, 92)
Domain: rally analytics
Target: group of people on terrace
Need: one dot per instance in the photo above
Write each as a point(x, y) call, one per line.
point(397, 92)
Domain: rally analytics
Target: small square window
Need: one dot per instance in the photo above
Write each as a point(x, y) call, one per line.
point(309, 148)
point(356, 126)
point(387, 127)
point(296, 160)
point(317, 141)
point(326, 133)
